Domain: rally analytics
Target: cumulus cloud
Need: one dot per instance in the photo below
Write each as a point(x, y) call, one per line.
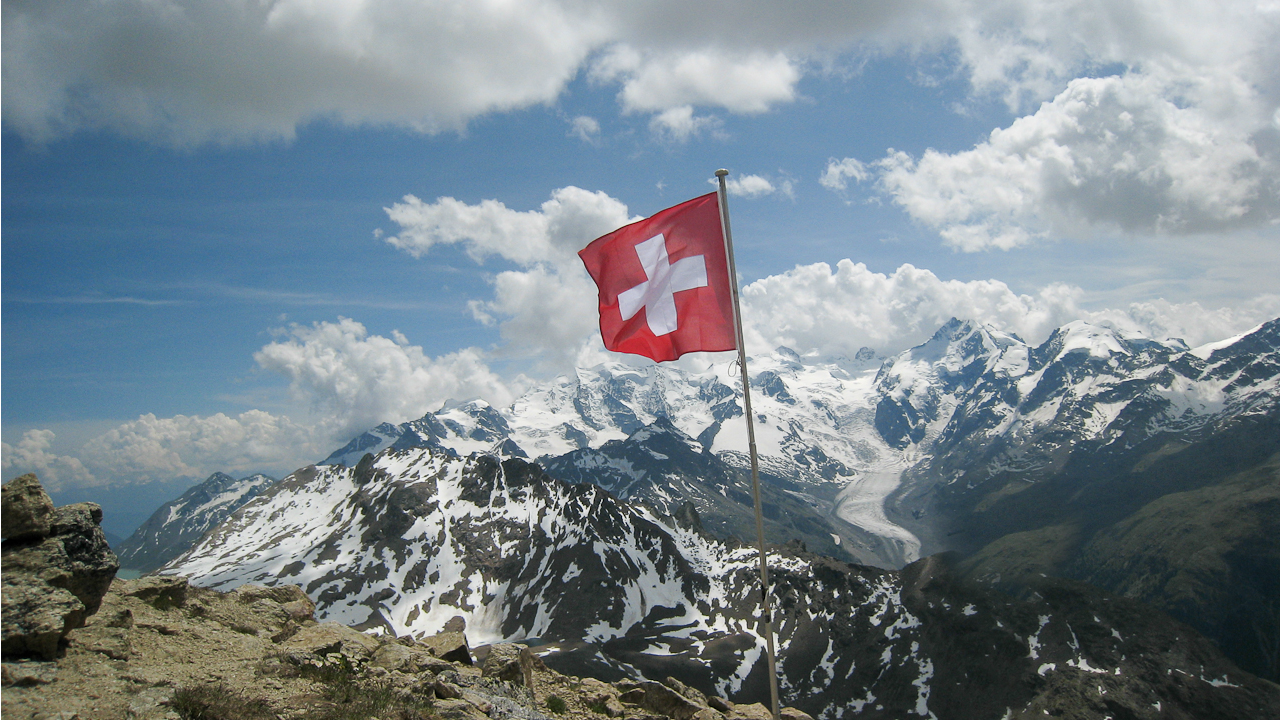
point(33, 454)
point(1107, 154)
point(814, 308)
point(186, 71)
point(680, 124)
point(553, 233)
point(585, 128)
point(546, 308)
point(751, 186)
point(839, 172)
point(749, 82)
point(357, 380)
point(152, 448)
point(190, 70)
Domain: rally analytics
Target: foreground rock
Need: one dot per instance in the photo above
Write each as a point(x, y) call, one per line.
point(57, 566)
point(159, 648)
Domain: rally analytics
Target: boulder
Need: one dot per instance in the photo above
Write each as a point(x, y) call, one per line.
point(601, 697)
point(689, 693)
point(751, 711)
point(27, 510)
point(663, 700)
point(511, 663)
point(451, 646)
point(332, 638)
point(162, 592)
point(790, 713)
point(394, 656)
point(718, 703)
point(51, 582)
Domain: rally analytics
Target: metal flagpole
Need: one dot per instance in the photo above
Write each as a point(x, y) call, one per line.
point(766, 619)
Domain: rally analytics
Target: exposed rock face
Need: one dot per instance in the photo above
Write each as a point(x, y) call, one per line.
point(28, 511)
point(163, 650)
point(57, 566)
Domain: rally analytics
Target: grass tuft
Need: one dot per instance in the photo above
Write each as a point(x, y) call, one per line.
point(218, 702)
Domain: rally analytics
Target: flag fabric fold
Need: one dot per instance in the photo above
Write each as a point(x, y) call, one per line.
point(664, 283)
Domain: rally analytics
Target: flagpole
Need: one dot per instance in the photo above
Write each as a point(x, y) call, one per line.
point(766, 614)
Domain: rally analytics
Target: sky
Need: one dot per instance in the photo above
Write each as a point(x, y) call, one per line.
point(235, 234)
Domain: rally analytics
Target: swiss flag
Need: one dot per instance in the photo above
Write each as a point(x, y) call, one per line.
point(664, 283)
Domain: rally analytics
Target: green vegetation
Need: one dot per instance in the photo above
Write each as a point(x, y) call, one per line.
point(556, 704)
point(218, 702)
point(350, 696)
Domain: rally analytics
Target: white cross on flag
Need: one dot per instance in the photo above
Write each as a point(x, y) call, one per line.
point(664, 283)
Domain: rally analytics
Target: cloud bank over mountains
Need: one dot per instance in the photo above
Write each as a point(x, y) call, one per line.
point(545, 308)
point(1134, 118)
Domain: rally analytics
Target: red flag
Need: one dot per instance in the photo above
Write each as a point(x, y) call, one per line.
point(664, 283)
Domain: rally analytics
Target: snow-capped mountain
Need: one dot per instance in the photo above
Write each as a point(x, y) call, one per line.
point(1026, 455)
point(985, 415)
point(814, 431)
point(813, 424)
point(845, 434)
point(668, 471)
point(409, 539)
point(178, 524)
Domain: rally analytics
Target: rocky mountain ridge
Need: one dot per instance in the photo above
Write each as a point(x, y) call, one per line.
point(973, 402)
point(179, 523)
point(410, 539)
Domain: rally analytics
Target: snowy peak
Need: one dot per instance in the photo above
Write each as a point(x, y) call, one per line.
point(178, 524)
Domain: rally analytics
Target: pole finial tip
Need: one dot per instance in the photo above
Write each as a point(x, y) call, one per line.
point(721, 172)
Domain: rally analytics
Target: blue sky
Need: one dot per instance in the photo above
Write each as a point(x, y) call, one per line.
point(210, 261)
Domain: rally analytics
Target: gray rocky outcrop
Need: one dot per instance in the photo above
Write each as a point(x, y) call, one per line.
point(449, 645)
point(511, 663)
point(27, 510)
point(56, 568)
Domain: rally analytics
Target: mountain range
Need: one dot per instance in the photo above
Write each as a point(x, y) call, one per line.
point(1069, 458)
point(411, 540)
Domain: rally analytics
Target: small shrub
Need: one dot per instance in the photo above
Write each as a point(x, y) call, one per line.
point(357, 698)
point(556, 704)
point(598, 707)
point(218, 702)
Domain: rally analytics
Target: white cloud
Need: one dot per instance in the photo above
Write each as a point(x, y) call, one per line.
point(546, 309)
point(32, 455)
point(554, 233)
point(585, 128)
point(838, 172)
point(747, 186)
point(680, 124)
point(191, 70)
point(546, 315)
point(186, 71)
point(355, 380)
point(814, 308)
point(749, 82)
point(152, 448)
point(1108, 154)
